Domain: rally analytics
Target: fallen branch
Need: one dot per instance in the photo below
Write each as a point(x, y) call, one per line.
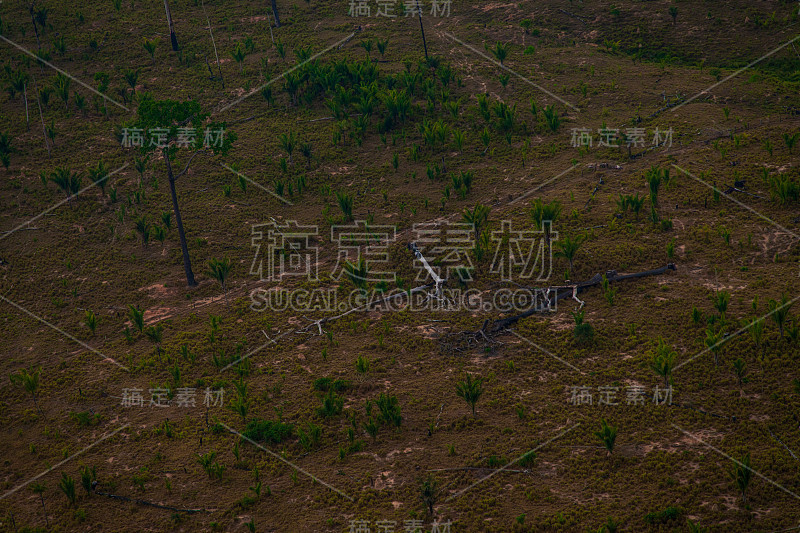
point(152, 504)
point(436, 279)
point(358, 30)
point(477, 468)
point(573, 15)
point(737, 189)
point(782, 444)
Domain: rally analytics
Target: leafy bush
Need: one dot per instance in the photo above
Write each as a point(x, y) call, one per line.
point(326, 384)
point(390, 409)
point(662, 517)
point(332, 404)
point(268, 431)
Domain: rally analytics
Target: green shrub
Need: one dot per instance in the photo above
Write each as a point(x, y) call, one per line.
point(662, 517)
point(268, 431)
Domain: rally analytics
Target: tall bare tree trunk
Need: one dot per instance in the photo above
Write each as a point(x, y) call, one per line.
point(421, 29)
point(27, 117)
point(35, 28)
point(187, 263)
point(275, 12)
point(172, 36)
point(41, 116)
point(219, 70)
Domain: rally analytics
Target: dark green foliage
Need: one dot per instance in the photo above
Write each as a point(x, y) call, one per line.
point(268, 431)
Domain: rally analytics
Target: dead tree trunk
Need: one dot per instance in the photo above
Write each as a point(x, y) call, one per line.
point(466, 340)
point(27, 116)
point(275, 13)
point(41, 117)
point(570, 291)
point(214, 45)
point(172, 37)
point(421, 29)
point(187, 263)
point(35, 28)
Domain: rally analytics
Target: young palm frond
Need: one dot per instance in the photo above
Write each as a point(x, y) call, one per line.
point(470, 390)
point(220, 270)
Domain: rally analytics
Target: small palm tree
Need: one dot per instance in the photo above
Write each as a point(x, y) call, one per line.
point(544, 215)
point(429, 493)
point(790, 140)
point(357, 272)
point(241, 407)
point(140, 163)
point(99, 176)
point(62, 85)
point(288, 142)
point(470, 390)
point(155, 334)
point(150, 47)
point(551, 118)
point(238, 55)
point(39, 488)
point(500, 52)
point(29, 380)
point(780, 311)
point(714, 341)
point(607, 435)
point(305, 149)
point(382, 46)
point(131, 77)
point(91, 321)
point(662, 360)
point(67, 486)
point(137, 317)
point(345, 202)
point(69, 182)
point(477, 217)
point(568, 248)
point(143, 227)
point(740, 369)
point(367, 46)
point(742, 474)
point(757, 331)
point(673, 12)
point(220, 270)
point(721, 300)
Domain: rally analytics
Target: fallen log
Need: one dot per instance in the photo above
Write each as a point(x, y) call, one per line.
point(466, 340)
point(150, 504)
point(572, 291)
